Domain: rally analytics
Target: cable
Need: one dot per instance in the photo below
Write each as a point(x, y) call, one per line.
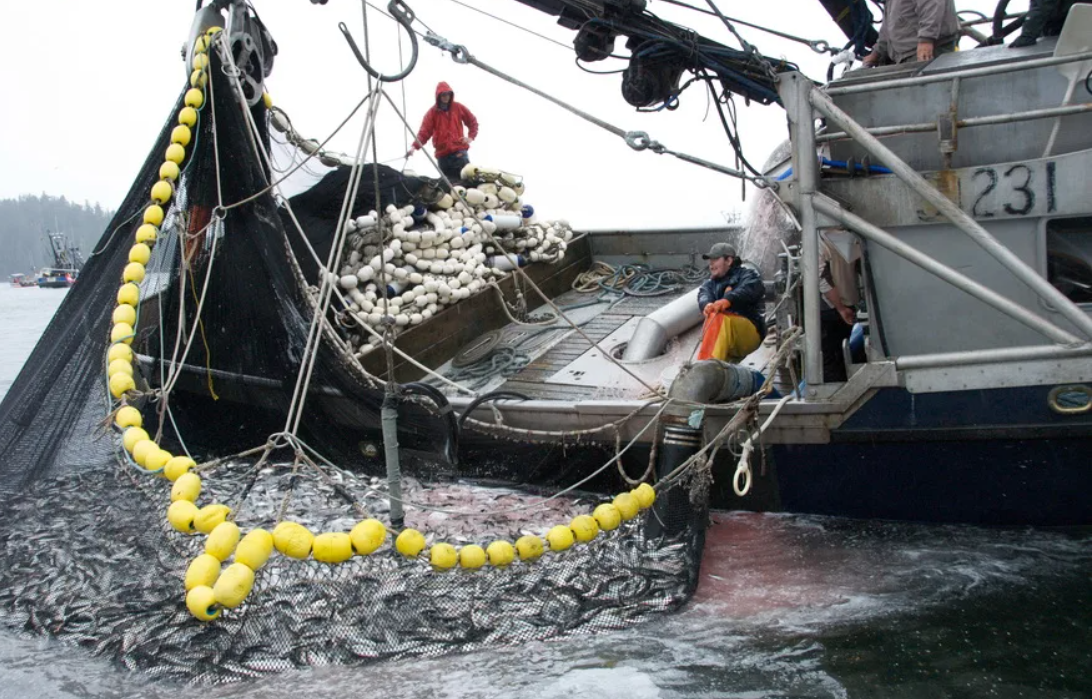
point(512, 24)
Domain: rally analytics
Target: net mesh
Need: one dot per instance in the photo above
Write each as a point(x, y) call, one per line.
point(88, 555)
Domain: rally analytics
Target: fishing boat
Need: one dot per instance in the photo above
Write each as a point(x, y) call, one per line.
point(383, 329)
point(22, 281)
point(67, 262)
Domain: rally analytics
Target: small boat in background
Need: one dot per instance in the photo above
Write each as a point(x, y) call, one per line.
point(21, 281)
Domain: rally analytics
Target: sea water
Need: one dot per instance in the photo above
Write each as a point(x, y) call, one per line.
point(789, 606)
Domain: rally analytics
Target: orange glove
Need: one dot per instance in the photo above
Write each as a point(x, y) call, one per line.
point(717, 307)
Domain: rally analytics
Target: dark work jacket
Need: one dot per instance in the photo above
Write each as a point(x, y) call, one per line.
point(747, 295)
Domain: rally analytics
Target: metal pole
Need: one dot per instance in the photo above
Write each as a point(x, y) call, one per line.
point(972, 73)
point(956, 279)
point(794, 93)
point(991, 356)
point(389, 420)
point(956, 215)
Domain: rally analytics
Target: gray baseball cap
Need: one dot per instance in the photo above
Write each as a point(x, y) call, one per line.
point(719, 250)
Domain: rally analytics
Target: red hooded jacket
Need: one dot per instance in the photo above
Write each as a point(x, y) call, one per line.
point(445, 126)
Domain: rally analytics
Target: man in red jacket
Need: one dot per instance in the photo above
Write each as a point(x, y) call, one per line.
point(443, 123)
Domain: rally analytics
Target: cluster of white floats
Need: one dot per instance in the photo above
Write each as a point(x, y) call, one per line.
point(433, 257)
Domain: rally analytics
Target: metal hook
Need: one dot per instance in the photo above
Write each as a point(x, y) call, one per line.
point(404, 16)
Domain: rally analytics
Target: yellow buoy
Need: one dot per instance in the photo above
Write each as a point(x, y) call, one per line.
point(332, 547)
point(210, 516)
point(559, 538)
point(122, 332)
point(162, 191)
point(128, 416)
point(368, 536)
point(119, 351)
point(500, 553)
point(627, 506)
point(120, 383)
point(177, 466)
point(131, 436)
point(175, 154)
point(203, 570)
point(181, 514)
point(200, 62)
point(157, 459)
point(607, 516)
point(410, 543)
point(187, 116)
point(198, 79)
point(169, 171)
point(234, 585)
point(645, 495)
point(223, 540)
point(443, 556)
point(255, 548)
point(529, 547)
point(119, 366)
point(181, 135)
point(267, 99)
point(201, 601)
point(584, 527)
point(472, 557)
point(143, 449)
point(293, 540)
point(186, 487)
point(194, 98)
point(212, 30)
point(147, 233)
point(201, 45)
point(154, 213)
point(124, 313)
point(133, 272)
point(129, 294)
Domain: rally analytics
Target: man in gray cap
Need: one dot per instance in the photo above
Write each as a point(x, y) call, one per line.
point(736, 292)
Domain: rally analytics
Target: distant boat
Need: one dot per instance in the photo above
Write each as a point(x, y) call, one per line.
point(20, 281)
point(52, 278)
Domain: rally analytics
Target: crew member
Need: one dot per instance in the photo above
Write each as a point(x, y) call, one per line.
point(1044, 18)
point(443, 123)
point(839, 291)
point(915, 30)
point(732, 301)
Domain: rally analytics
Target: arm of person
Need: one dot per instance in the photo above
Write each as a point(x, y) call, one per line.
point(930, 17)
point(428, 126)
point(705, 294)
point(835, 300)
point(749, 291)
point(471, 123)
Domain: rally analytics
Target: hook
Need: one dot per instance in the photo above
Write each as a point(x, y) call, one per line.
point(404, 16)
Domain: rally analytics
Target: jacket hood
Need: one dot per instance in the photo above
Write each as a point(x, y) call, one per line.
point(441, 88)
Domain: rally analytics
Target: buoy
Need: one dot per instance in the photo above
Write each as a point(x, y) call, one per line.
point(177, 466)
point(223, 540)
point(500, 553)
point(529, 547)
point(169, 171)
point(128, 416)
point(186, 487)
point(332, 547)
point(627, 506)
point(119, 366)
point(203, 570)
point(157, 460)
point(121, 383)
point(293, 540)
point(584, 527)
point(209, 517)
point(367, 536)
point(194, 98)
point(472, 557)
point(198, 79)
point(122, 332)
point(134, 272)
point(142, 450)
point(181, 135)
point(124, 313)
point(187, 116)
point(162, 191)
point(559, 538)
point(409, 543)
point(181, 514)
point(233, 585)
point(201, 601)
point(147, 233)
point(131, 436)
point(175, 153)
point(443, 556)
point(267, 100)
point(200, 62)
point(255, 548)
point(154, 213)
point(645, 495)
point(607, 517)
point(119, 351)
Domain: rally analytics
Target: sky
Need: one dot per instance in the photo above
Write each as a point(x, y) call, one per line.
point(86, 96)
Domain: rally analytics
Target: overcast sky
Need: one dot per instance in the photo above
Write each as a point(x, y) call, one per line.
point(88, 85)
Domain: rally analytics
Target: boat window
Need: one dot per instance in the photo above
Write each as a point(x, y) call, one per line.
point(1069, 257)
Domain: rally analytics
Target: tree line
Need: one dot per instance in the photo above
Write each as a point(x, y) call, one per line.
point(26, 221)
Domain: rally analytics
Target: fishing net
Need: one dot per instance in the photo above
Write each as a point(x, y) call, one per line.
point(229, 294)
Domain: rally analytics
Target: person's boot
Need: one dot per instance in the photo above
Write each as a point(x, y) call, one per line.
point(1022, 41)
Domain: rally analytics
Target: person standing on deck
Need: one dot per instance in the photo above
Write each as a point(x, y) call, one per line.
point(443, 123)
point(915, 30)
point(838, 289)
point(732, 301)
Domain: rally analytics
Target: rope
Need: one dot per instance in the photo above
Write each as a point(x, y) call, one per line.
point(513, 24)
